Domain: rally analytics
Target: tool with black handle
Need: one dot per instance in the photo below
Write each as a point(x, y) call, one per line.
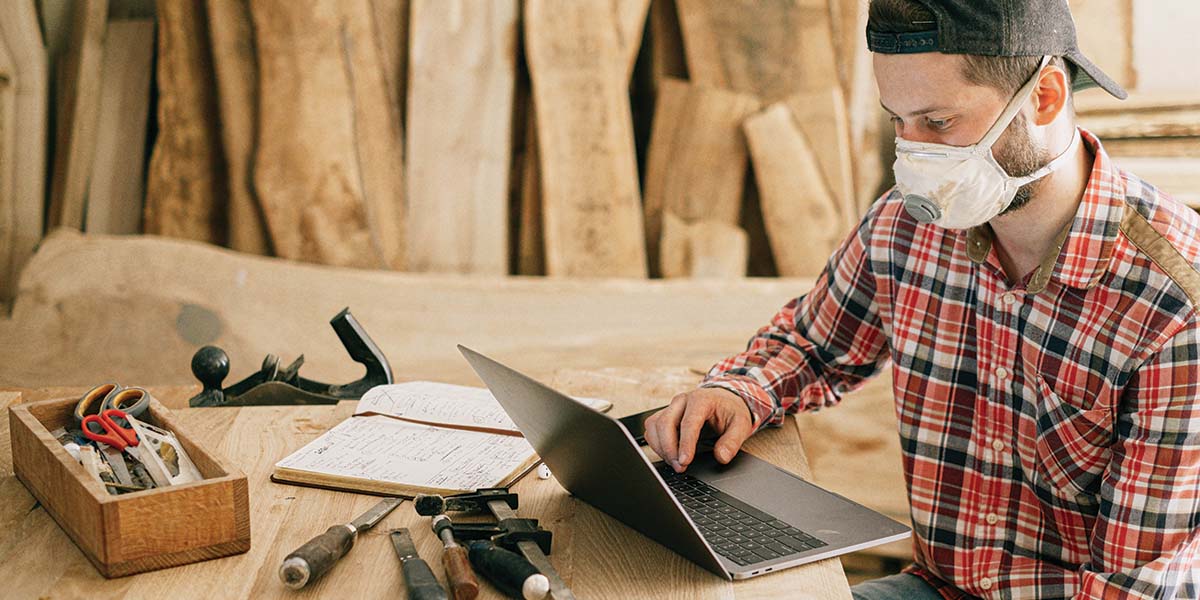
point(418, 577)
point(508, 571)
point(312, 560)
point(455, 561)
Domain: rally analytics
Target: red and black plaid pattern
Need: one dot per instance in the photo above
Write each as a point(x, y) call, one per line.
point(1050, 429)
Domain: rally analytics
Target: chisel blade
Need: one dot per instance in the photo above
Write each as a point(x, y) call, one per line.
point(370, 518)
point(403, 543)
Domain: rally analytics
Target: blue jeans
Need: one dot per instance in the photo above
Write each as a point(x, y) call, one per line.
point(895, 587)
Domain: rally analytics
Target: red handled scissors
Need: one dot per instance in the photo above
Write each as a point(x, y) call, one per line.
point(114, 430)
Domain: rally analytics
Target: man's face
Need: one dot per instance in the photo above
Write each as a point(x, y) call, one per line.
point(929, 100)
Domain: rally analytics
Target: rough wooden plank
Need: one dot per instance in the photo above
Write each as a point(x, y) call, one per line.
point(462, 64)
point(666, 42)
point(531, 250)
point(117, 185)
point(801, 214)
point(821, 116)
point(768, 49)
point(591, 201)
point(696, 163)
point(186, 187)
point(1153, 147)
point(8, 145)
point(321, 78)
point(79, 94)
point(237, 87)
point(391, 28)
point(22, 39)
point(702, 249)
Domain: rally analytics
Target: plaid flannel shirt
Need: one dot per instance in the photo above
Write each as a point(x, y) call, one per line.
point(1050, 429)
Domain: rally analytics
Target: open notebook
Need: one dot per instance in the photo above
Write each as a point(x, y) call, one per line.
point(414, 438)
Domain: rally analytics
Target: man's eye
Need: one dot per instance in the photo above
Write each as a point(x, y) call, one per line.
point(938, 123)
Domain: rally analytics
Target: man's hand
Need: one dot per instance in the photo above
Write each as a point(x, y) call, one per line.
point(672, 432)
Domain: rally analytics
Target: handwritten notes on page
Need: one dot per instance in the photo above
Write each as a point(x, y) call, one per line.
point(446, 405)
point(381, 454)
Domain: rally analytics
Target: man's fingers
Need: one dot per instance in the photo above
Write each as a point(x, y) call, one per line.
point(689, 430)
point(668, 430)
point(733, 438)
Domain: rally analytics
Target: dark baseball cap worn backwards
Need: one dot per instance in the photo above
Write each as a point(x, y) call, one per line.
point(999, 28)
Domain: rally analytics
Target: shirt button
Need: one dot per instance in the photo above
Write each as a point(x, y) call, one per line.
point(1009, 298)
point(992, 518)
point(985, 583)
point(1001, 373)
point(997, 445)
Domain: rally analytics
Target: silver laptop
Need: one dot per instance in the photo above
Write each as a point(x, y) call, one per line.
point(738, 520)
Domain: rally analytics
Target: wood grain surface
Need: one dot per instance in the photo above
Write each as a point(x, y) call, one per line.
point(598, 556)
point(232, 38)
point(116, 188)
point(186, 186)
point(696, 162)
point(589, 179)
point(462, 61)
point(28, 79)
point(801, 214)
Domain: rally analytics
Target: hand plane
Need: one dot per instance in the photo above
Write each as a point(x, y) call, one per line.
point(272, 385)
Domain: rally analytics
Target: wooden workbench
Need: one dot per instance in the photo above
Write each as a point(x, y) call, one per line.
point(598, 556)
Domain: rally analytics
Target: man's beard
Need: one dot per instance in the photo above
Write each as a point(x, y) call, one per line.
point(1020, 156)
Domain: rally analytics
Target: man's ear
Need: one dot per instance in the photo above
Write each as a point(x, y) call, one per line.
point(1051, 95)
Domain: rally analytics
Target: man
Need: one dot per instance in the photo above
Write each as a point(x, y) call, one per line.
point(1039, 309)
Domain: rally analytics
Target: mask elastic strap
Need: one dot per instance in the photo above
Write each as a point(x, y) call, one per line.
point(1050, 166)
point(1010, 111)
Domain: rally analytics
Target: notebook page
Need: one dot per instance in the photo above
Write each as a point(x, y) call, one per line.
point(445, 404)
point(388, 450)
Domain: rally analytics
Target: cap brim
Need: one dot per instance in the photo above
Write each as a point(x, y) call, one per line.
point(1088, 75)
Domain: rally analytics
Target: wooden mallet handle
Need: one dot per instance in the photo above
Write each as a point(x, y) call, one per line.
point(458, 571)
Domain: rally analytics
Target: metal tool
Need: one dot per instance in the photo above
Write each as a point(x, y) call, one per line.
point(418, 577)
point(455, 561)
point(312, 560)
point(274, 386)
point(522, 535)
point(510, 572)
point(111, 429)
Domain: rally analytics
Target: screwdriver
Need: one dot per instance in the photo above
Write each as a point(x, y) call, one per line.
point(318, 555)
point(454, 559)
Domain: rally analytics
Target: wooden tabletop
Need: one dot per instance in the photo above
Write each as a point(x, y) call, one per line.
point(598, 556)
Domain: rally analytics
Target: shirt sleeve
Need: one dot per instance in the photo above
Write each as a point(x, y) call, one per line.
point(818, 346)
point(1145, 543)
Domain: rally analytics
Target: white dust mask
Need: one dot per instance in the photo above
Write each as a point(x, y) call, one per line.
point(959, 187)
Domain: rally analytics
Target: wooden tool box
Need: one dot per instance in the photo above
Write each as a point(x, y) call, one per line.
point(135, 532)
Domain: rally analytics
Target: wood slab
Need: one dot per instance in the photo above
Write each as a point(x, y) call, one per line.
point(770, 50)
point(117, 186)
point(8, 145)
point(696, 162)
point(460, 99)
point(821, 116)
point(321, 77)
point(233, 49)
point(186, 186)
point(391, 29)
point(666, 42)
point(702, 249)
point(28, 80)
point(801, 214)
point(78, 109)
point(589, 179)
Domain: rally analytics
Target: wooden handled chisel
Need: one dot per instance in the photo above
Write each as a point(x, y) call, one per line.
point(454, 560)
point(312, 560)
point(418, 577)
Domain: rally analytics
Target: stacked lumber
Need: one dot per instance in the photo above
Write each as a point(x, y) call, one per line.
point(1154, 135)
point(784, 77)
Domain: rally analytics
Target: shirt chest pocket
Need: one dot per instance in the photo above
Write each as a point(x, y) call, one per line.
point(1071, 444)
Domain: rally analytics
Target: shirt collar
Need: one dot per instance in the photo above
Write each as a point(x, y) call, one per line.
point(1082, 252)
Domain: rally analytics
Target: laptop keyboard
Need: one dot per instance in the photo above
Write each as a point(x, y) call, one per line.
point(736, 530)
